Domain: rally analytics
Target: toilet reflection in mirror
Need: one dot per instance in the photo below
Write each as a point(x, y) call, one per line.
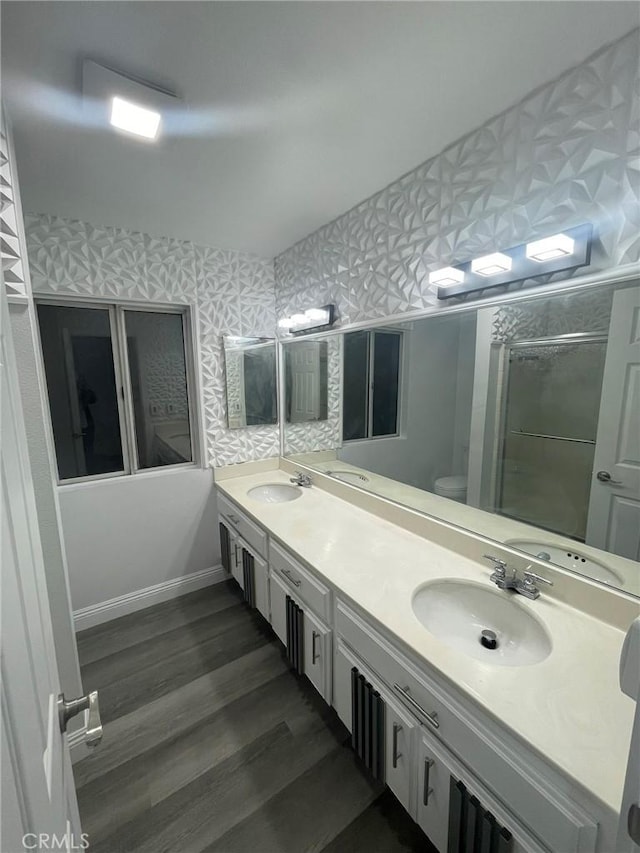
point(518, 420)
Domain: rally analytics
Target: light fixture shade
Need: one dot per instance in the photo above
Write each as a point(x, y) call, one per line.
point(446, 276)
point(317, 314)
point(550, 248)
point(125, 115)
point(491, 264)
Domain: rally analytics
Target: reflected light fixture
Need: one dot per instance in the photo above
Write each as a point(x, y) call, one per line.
point(132, 118)
point(312, 320)
point(550, 248)
point(491, 264)
point(446, 276)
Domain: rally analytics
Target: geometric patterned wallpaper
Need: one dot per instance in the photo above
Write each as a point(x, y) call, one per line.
point(568, 153)
point(233, 293)
point(12, 262)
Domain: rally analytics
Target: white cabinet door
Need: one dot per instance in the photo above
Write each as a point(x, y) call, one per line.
point(341, 698)
point(279, 594)
point(258, 595)
point(261, 585)
point(400, 745)
point(317, 655)
point(432, 783)
point(229, 556)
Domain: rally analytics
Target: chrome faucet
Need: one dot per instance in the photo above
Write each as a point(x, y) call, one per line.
point(523, 586)
point(301, 479)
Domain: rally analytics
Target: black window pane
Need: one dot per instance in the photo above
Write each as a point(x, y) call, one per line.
point(355, 385)
point(155, 346)
point(78, 360)
point(386, 365)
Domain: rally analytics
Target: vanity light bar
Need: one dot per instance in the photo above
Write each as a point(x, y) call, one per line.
point(446, 276)
point(564, 251)
point(491, 264)
point(312, 320)
point(550, 248)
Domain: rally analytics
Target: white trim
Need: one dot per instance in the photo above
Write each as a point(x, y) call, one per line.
point(105, 611)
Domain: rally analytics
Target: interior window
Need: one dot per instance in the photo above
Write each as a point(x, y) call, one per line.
point(114, 412)
point(78, 357)
point(155, 348)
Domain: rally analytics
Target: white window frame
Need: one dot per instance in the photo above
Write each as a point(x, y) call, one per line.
point(126, 416)
point(371, 346)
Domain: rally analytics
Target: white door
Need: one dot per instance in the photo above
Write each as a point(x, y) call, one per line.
point(305, 381)
point(614, 508)
point(38, 793)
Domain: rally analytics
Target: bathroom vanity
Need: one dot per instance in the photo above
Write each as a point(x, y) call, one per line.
point(522, 747)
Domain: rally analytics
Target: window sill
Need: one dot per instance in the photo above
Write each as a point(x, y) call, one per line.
point(72, 485)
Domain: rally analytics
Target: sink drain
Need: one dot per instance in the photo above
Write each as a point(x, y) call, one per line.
point(488, 639)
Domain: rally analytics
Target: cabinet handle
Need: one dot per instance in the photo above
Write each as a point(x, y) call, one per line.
point(397, 728)
point(289, 576)
point(431, 718)
point(234, 519)
point(427, 791)
point(314, 653)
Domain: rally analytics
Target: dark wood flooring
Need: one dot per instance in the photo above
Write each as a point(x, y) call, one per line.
point(212, 744)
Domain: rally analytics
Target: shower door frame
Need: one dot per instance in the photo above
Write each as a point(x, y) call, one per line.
point(554, 340)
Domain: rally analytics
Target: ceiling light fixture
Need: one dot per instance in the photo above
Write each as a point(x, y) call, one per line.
point(133, 118)
point(446, 276)
point(491, 264)
point(550, 248)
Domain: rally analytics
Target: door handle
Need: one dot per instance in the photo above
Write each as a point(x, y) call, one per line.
point(426, 790)
point(605, 477)
point(67, 709)
point(397, 728)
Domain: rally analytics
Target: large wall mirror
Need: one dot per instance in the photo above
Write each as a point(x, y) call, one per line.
point(251, 380)
point(519, 421)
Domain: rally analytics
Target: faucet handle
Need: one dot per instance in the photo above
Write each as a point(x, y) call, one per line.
point(500, 565)
point(531, 577)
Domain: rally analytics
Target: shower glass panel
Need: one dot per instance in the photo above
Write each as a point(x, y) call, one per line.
point(550, 419)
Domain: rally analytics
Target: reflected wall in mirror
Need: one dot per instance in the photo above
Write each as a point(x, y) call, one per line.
point(519, 421)
point(250, 370)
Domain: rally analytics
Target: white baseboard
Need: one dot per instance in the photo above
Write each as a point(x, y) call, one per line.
point(87, 617)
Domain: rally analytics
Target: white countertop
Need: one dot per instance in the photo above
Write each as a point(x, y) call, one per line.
point(569, 707)
point(501, 528)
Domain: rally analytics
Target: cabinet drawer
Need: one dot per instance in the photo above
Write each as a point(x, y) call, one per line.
point(243, 526)
point(306, 587)
point(496, 757)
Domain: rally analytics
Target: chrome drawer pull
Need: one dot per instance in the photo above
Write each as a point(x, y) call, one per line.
point(427, 791)
point(396, 755)
point(289, 576)
point(432, 718)
point(314, 653)
point(234, 519)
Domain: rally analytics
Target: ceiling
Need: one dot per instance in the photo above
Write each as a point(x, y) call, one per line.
point(292, 112)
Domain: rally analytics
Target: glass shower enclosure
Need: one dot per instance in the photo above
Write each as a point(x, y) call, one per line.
point(551, 402)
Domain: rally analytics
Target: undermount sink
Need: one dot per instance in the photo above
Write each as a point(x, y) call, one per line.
point(457, 613)
point(568, 558)
point(274, 493)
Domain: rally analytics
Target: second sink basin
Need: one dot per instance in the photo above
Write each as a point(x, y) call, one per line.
point(274, 493)
point(457, 612)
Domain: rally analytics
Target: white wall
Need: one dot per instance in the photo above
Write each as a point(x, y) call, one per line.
point(128, 533)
